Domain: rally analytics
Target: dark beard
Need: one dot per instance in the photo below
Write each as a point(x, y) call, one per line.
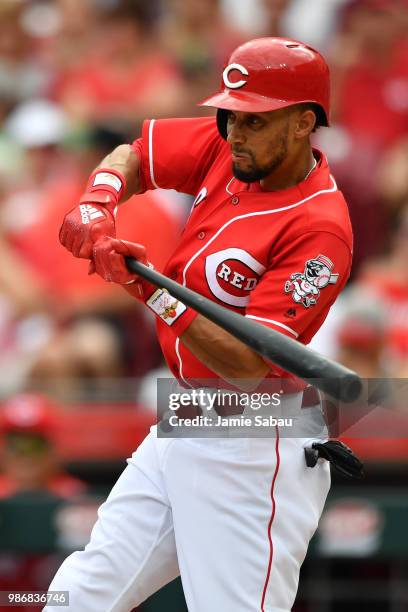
point(257, 173)
point(253, 175)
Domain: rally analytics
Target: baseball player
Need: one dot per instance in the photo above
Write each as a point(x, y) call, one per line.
point(268, 237)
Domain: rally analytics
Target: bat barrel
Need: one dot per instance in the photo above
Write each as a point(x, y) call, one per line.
point(325, 374)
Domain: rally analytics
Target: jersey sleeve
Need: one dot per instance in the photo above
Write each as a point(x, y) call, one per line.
point(296, 292)
point(177, 153)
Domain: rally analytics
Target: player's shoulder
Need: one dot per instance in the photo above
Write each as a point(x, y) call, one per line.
point(181, 125)
point(325, 208)
point(193, 136)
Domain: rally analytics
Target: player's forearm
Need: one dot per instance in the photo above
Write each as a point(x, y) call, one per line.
point(115, 179)
point(124, 160)
point(222, 353)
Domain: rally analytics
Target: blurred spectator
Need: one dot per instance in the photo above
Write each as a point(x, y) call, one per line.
point(387, 280)
point(60, 322)
point(370, 110)
point(393, 177)
point(360, 335)
point(36, 127)
point(274, 13)
point(21, 75)
point(71, 31)
point(198, 36)
point(245, 16)
point(29, 462)
point(367, 329)
point(30, 473)
point(371, 72)
point(125, 75)
point(313, 22)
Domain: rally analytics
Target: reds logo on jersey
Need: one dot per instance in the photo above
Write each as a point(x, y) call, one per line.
point(306, 286)
point(232, 274)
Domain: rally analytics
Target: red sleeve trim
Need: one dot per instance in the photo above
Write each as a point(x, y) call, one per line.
point(143, 147)
point(137, 148)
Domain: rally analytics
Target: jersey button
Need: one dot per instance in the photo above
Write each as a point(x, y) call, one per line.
point(201, 235)
point(235, 200)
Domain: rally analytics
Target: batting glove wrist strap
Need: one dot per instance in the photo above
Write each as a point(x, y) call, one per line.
point(107, 179)
point(105, 187)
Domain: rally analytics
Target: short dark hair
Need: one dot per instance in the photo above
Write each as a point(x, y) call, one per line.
point(317, 110)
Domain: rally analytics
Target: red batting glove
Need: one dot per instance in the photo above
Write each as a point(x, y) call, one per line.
point(94, 217)
point(109, 261)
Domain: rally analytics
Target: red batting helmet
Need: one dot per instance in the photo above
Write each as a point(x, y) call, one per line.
point(266, 74)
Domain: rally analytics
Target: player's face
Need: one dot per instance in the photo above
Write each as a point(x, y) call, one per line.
point(260, 142)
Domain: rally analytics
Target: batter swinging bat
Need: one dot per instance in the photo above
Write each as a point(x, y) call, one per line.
point(327, 375)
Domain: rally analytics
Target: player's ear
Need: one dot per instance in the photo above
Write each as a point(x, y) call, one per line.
point(305, 123)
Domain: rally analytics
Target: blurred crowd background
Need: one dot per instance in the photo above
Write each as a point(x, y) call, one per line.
point(78, 357)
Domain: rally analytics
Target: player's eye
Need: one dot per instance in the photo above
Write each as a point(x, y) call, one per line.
point(231, 117)
point(254, 121)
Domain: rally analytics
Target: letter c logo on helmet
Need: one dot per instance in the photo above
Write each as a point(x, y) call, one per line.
point(226, 73)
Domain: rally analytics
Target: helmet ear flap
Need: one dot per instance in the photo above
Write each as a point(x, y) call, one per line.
point(222, 118)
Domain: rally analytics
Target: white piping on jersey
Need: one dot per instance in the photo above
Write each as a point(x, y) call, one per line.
point(254, 214)
point(292, 331)
point(151, 124)
point(177, 348)
point(266, 212)
point(227, 187)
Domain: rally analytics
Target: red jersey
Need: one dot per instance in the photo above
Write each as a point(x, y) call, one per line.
point(278, 257)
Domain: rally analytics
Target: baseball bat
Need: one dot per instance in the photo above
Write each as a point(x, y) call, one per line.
point(325, 374)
